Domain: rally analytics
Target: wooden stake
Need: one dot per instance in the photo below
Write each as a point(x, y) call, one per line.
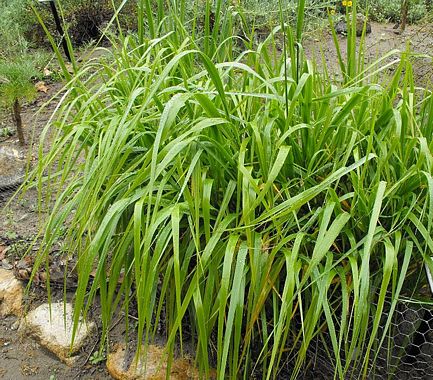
point(18, 121)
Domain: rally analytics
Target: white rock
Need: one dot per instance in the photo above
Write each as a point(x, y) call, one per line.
point(11, 294)
point(54, 331)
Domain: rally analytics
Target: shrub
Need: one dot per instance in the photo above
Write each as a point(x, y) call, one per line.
point(11, 28)
point(16, 85)
point(84, 19)
point(390, 10)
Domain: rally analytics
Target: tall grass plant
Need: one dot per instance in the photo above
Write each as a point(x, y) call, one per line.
point(249, 203)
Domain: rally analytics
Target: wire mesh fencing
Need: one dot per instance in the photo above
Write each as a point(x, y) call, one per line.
point(406, 351)
point(12, 168)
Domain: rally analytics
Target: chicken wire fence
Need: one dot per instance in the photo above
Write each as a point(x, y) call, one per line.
point(406, 352)
point(402, 348)
point(12, 168)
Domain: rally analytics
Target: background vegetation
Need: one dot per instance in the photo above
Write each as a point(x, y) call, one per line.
point(85, 18)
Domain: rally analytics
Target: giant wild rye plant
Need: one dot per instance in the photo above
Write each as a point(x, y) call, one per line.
point(242, 194)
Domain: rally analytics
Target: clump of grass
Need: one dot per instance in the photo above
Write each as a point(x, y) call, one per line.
point(245, 197)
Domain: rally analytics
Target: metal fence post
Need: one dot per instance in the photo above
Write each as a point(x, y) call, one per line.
point(59, 27)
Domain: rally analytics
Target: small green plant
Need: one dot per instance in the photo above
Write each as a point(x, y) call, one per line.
point(97, 357)
point(16, 85)
point(11, 235)
point(5, 132)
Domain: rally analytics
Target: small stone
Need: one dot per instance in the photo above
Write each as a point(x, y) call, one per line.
point(341, 26)
point(55, 332)
point(11, 294)
point(16, 325)
point(153, 367)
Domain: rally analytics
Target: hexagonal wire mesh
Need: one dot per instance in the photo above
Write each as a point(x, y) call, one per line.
point(406, 352)
point(407, 348)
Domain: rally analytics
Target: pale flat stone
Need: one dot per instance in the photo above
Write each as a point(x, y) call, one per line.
point(151, 367)
point(53, 333)
point(11, 294)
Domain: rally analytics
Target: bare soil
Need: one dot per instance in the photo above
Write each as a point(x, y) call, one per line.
point(382, 39)
point(22, 357)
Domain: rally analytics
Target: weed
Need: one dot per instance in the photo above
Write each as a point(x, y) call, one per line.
point(97, 357)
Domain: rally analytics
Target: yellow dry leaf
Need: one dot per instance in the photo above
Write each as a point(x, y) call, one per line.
point(41, 87)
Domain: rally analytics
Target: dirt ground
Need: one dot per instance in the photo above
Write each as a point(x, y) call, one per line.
point(381, 40)
point(21, 357)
